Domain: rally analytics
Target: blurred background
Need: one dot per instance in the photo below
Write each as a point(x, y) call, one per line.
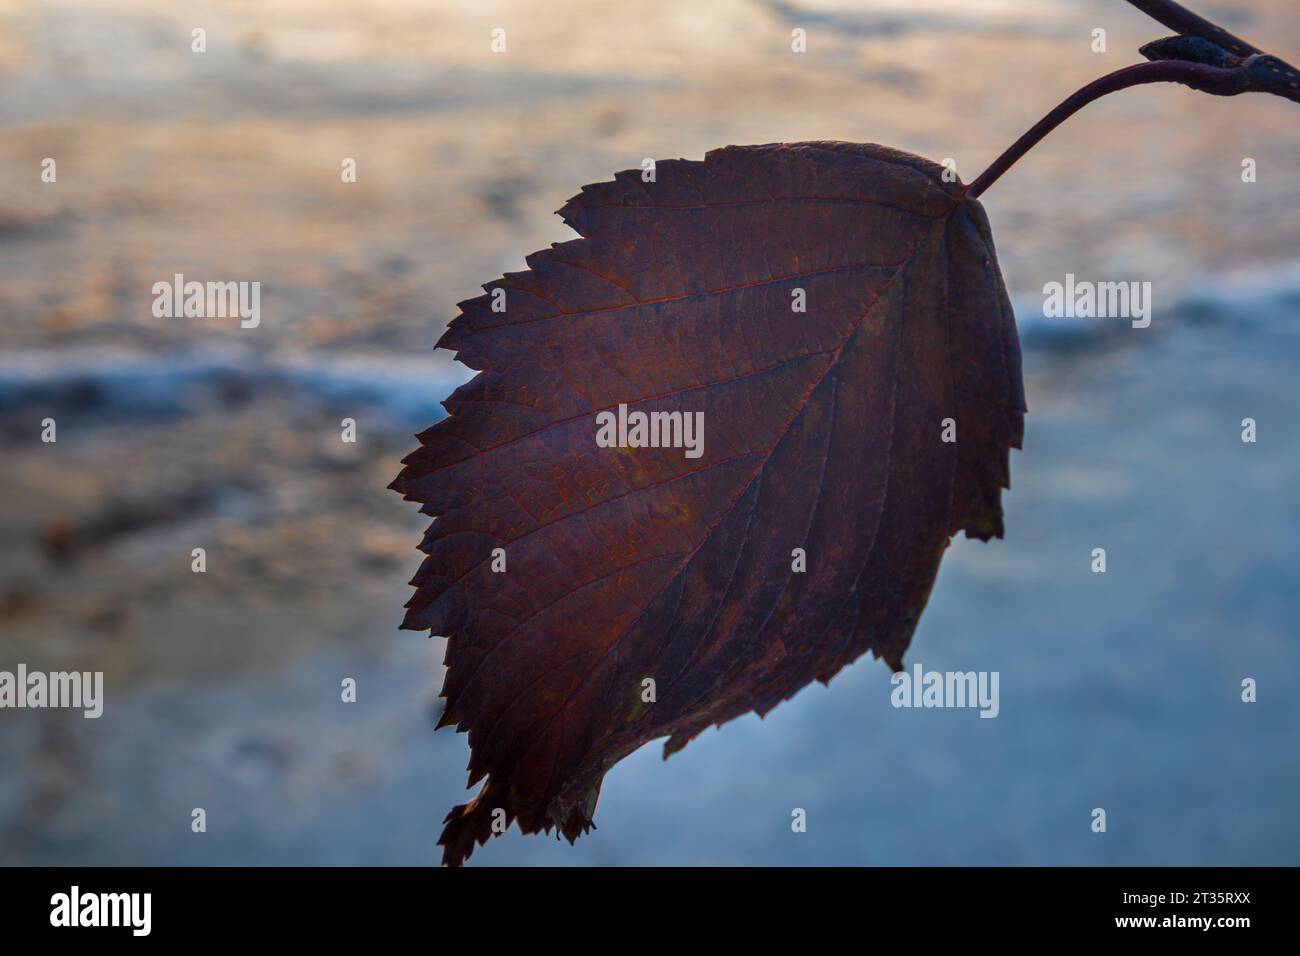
point(1119, 691)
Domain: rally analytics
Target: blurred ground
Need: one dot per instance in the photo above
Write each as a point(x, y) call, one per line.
point(1118, 690)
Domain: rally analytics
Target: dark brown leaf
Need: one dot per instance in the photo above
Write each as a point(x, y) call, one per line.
point(823, 431)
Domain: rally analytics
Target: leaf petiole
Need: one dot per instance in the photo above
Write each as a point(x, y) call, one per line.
point(1212, 61)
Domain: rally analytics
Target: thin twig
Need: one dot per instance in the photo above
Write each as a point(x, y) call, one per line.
point(1208, 79)
point(1223, 65)
point(1181, 20)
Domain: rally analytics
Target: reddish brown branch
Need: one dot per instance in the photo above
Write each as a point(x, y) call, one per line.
point(1204, 56)
point(1181, 20)
point(1208, 79)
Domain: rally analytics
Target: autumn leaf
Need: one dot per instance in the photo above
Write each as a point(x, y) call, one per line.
point(649, 593)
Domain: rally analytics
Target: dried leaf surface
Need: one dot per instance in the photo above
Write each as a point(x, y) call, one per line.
point(823, 430)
